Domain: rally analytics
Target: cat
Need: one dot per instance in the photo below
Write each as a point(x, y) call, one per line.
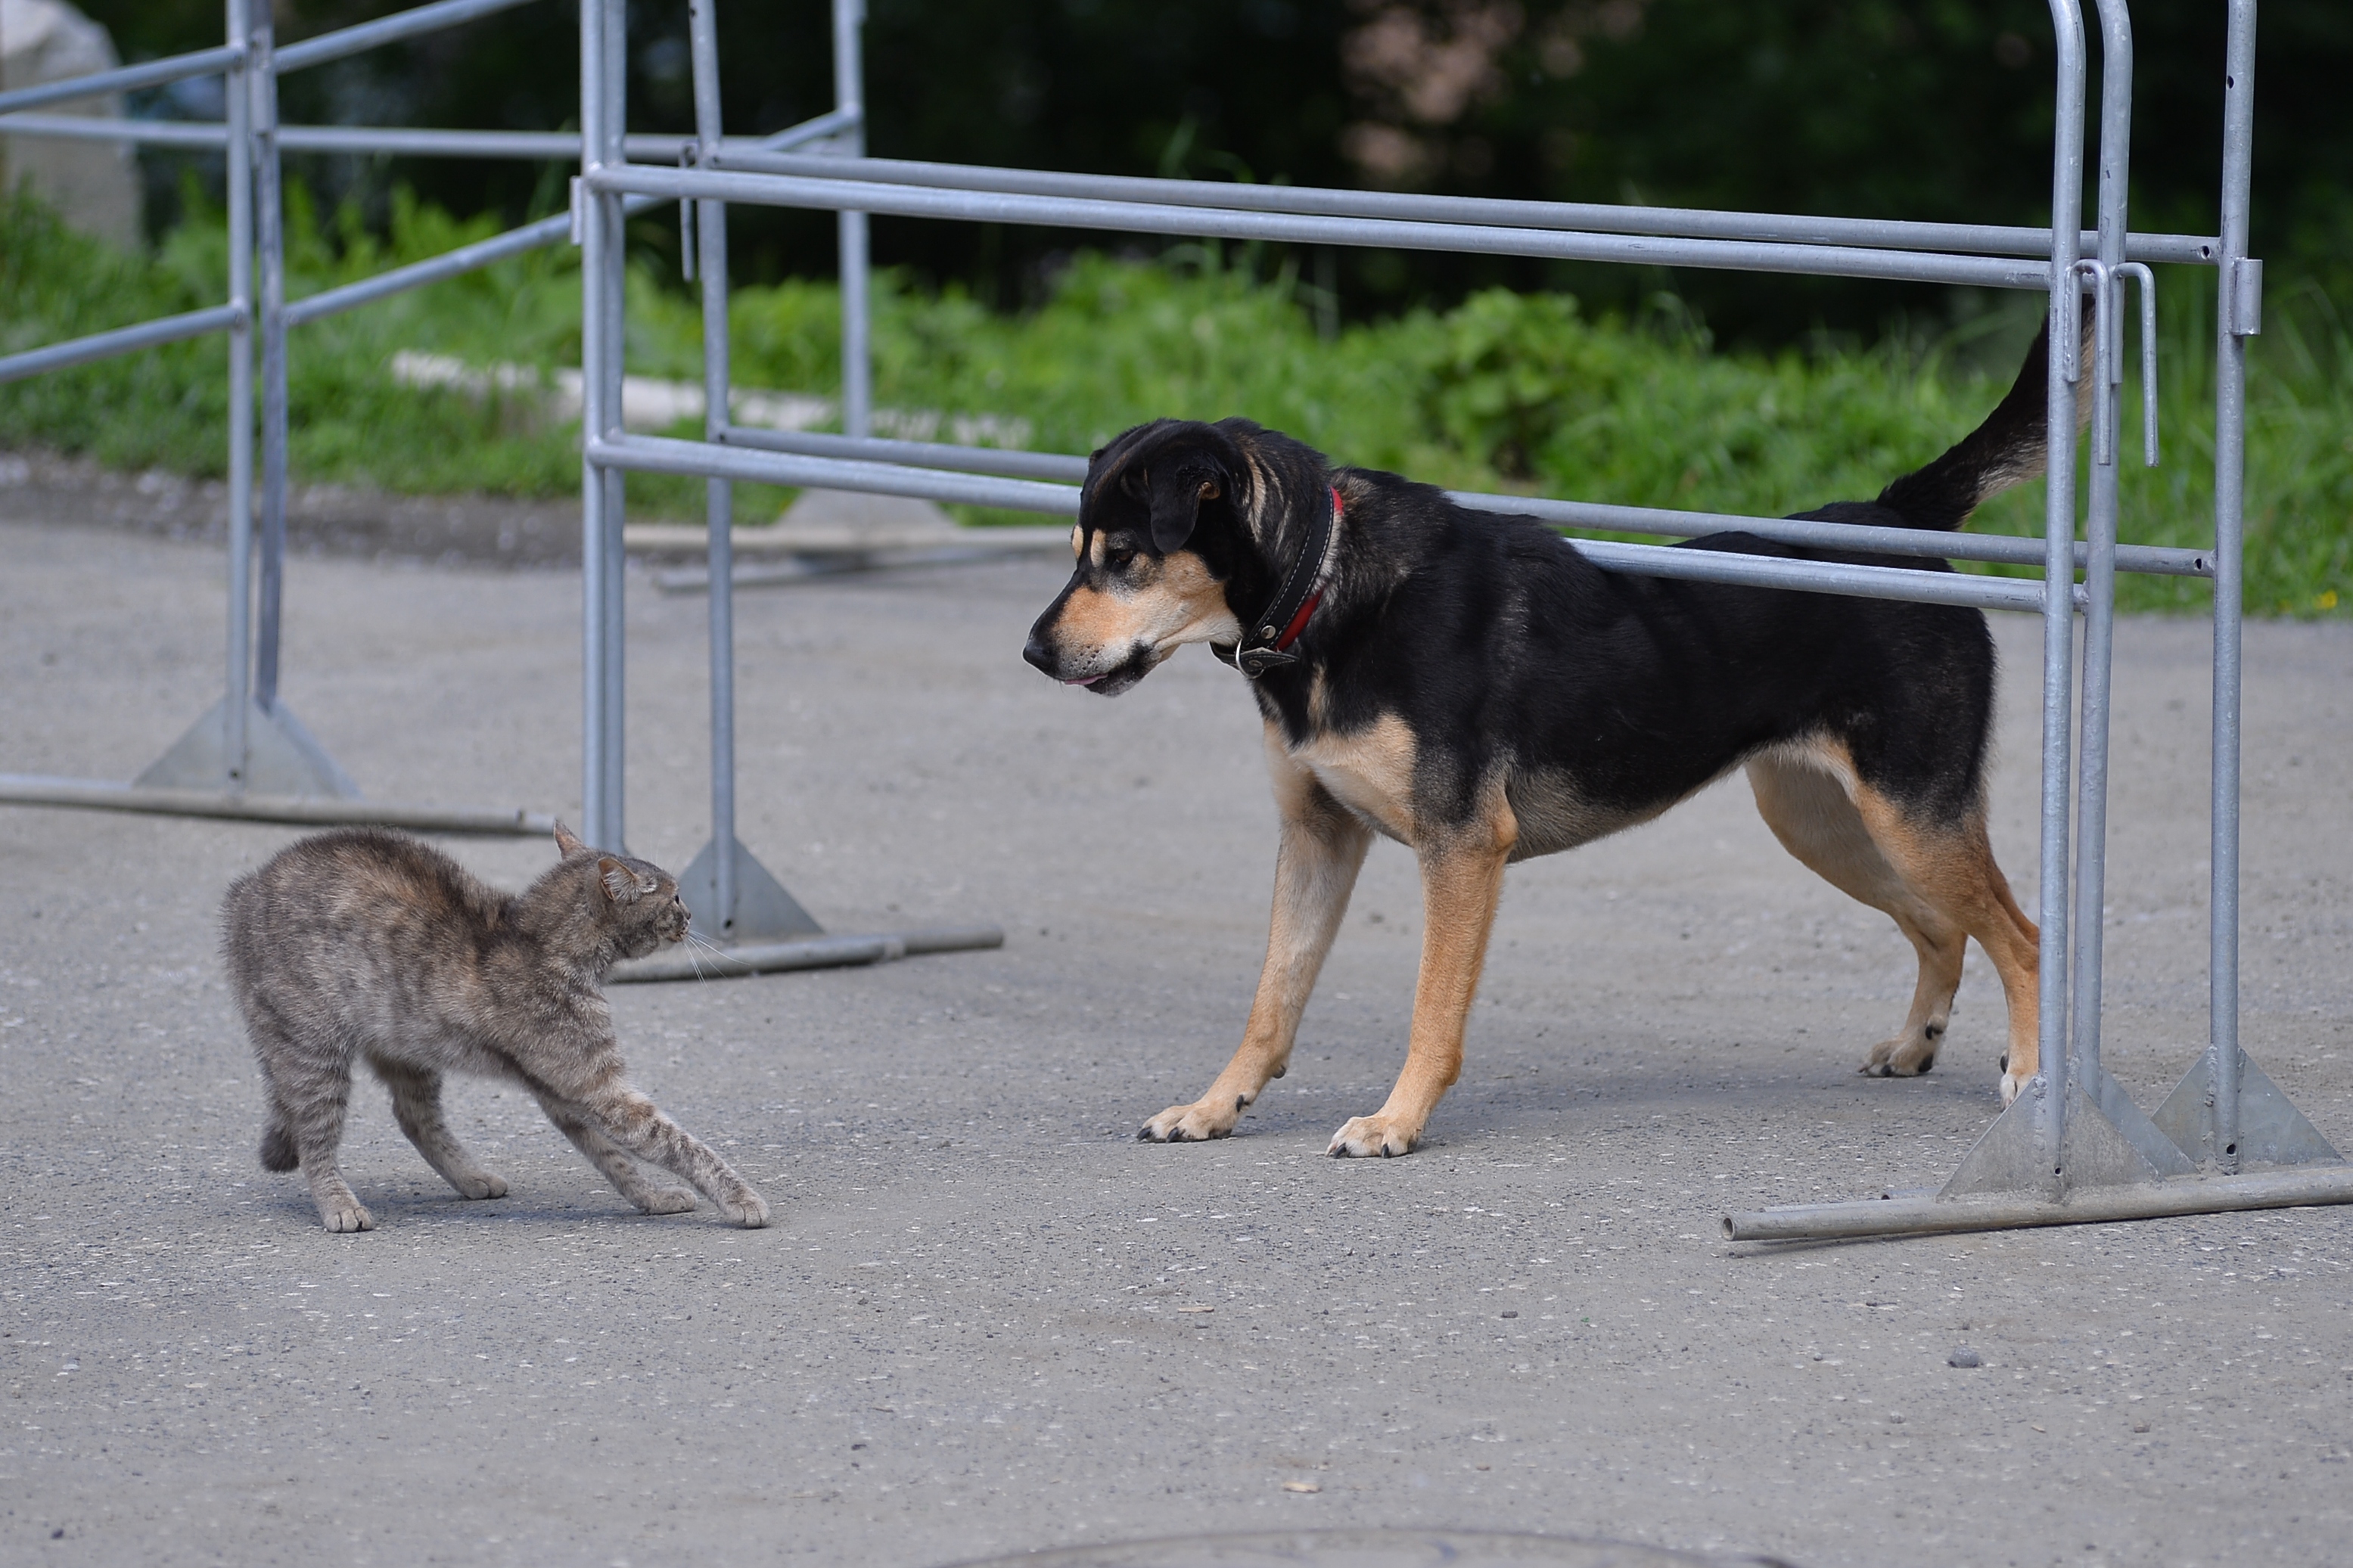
point(364, 943)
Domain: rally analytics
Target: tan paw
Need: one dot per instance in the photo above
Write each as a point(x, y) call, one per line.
point(484, 1184)
point(664, 1200)
point(748, 1209)
point(346, 1218)
point(2010, 1085)
point(1906, 1055)
point(1365, 1136)
point(1195, 1123)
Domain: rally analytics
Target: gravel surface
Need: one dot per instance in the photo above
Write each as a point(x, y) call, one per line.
point(987, 1318)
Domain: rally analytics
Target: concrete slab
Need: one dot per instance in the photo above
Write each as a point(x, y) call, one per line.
point(978, 1324)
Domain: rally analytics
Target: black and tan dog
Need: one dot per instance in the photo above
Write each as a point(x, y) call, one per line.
point(1472, 686)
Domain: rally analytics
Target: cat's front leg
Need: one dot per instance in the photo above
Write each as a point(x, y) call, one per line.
point(638, 1125)
point(621, 1169)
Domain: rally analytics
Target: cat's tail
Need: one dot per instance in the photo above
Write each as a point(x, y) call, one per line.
point(278, 1144)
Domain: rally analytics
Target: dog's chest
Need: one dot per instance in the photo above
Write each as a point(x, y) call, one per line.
point(1369, 771)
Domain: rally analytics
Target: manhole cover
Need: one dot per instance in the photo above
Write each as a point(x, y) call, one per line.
point(1370, 1549)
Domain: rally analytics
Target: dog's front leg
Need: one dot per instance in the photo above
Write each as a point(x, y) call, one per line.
point(1462, 881)
point(1315, 867)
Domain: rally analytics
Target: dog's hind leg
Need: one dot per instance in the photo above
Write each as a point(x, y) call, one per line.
point(1462, 882)
point(1322, 849)
point(1805, 802)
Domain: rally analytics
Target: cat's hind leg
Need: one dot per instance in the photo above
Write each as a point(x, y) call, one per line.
point(417, 1106)
point(308, 1100)
point(628, 1176)
point(638, 1125)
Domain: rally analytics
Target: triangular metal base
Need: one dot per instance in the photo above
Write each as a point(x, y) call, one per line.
point(2271, 1130)
point(2109, 1142)
point(281, 758)
point(763, 911)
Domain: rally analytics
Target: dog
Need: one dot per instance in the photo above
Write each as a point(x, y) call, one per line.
point(1472, 686)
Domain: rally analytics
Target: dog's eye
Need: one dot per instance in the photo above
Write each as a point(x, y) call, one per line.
point(1117, 558)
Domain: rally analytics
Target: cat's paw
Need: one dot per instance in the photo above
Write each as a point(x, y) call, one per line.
point(484, 1185)
point(345, 1218)
point(664, 1200)
point(748, 1209)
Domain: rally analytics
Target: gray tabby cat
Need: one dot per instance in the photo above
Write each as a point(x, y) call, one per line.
point(363, 943)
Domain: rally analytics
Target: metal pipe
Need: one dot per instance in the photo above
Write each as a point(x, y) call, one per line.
point(2293, 1187)
point(857, 321)
point(153, 73)
point(1140, 217)
point(2058, 568)
point(121, 340)
point(269, 240)
point(590, 215)
point(2233, 331)
point(719, 495)
point(2153, 559)
point(2100, 528)
point(103, 795)
point(238, 704)
point(662, 455)
point(389, 141)
point(1581, 217)
point(389, 29)
point(615, 37)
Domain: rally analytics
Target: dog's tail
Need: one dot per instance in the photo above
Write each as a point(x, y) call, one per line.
point(2008, 449)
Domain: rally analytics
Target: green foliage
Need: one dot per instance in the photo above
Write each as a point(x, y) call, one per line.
point(1523, 393)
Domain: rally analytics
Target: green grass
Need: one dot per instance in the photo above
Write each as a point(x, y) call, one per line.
point(1522, 393)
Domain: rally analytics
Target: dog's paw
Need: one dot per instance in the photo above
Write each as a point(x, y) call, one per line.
point(1365, 1136)
point(1908, 1054)
point(1195, 1123)
point(2010, 1084)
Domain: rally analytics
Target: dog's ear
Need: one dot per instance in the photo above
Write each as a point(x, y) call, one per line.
point(1177, 491)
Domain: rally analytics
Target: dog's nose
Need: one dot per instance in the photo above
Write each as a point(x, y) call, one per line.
point(1041, 652)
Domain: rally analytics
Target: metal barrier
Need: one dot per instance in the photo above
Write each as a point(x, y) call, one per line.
point(2074, 1146)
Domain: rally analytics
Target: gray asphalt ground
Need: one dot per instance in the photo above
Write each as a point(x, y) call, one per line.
point(978, 1324)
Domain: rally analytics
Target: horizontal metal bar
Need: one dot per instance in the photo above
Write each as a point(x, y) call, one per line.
point(514, 242)
point(915, 454)
point(703, 460)
point(98, 794)
point(1589, 218)
point(388, 140)
point(1923, 542)
point(695, 962)
point(153, 73)
point(2290, 1188)
point(389, 29)
point(121, 341)
point(1140, 217)
point(1667, 524)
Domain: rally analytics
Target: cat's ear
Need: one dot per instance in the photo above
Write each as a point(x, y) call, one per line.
point(620, 882)
point(567, 844)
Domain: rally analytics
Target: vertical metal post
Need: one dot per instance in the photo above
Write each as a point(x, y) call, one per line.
point(856, 354)
point(719, 495)
point(2059, 566)
point(590, 213)
point(269, 235)
point(2106, 387)
point(613, 124)
point(2232, 314)
point(239, 160)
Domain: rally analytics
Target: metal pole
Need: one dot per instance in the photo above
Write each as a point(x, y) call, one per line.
point(615, 37)
point(269, 235)
point(2238, 303)
point(240, 163)
point(2100, 534)
point(2058, 565)
point(719, 495)
point(856, 354)
point(589, 215)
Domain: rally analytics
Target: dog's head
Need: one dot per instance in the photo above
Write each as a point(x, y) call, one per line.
point(1163, 528)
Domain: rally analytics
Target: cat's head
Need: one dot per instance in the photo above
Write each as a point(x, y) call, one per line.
point(638, 906)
